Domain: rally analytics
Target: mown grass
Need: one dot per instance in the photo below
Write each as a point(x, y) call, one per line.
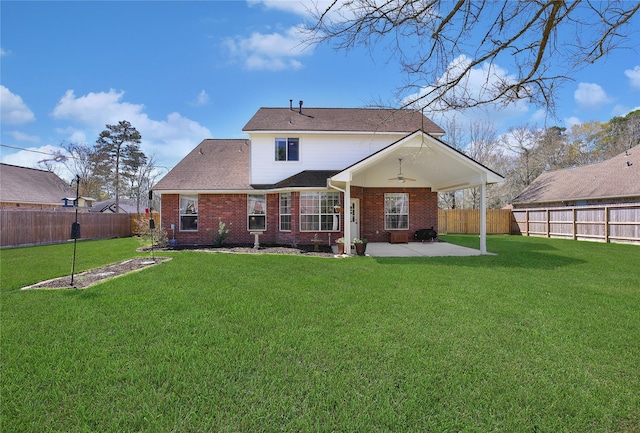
point(542, 337)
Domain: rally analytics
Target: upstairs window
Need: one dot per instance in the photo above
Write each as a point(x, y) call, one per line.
point(287, 149)
point(396, 211)
point(256, 212)
point(188, 212)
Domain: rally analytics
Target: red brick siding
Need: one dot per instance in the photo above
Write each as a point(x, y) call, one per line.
point(232, 209)
point(423, 211)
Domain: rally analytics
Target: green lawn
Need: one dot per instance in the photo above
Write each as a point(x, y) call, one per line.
point(543, 337)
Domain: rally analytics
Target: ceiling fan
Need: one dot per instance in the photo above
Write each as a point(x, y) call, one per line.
point(401, 177)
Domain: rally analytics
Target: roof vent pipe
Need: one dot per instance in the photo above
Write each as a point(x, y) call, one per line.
point(300, 107)
point(291, 104)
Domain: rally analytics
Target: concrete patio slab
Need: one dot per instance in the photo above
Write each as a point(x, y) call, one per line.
point(419, 249)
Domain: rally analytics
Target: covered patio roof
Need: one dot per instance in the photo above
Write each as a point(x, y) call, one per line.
point(424, 162)
point(428, 160)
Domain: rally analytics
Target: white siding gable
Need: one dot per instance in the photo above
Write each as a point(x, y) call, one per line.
point(318, 151)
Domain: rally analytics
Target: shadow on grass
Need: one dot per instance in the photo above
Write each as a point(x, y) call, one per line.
point(533, 260)
point(510, 252)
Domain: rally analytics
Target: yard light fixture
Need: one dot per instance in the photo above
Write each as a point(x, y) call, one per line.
point(75, 228)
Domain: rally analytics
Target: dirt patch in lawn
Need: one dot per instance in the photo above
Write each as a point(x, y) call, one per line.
point(86, 279)
point(82, 280)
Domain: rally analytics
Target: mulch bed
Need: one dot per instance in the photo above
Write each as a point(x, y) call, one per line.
point(86, 279)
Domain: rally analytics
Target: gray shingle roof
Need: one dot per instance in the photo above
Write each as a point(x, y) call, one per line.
point(341, 120)
point(30, 185)
point(214, 164)
point(304, 179)
point(613, 178)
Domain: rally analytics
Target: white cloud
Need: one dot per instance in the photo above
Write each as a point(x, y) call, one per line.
point(96, 109)
point(570, 122)
point(201, 99)
point(13, 110)
point(476, 84)
point(296, 7)
point(30, 156)
point(3, 52)
point(634, 77)
point(591, 96)
point(272, 52)
point(170, 139)
point(21, 136)
point(540, 116)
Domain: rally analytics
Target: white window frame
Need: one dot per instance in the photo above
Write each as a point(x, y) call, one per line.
point(285, 211)
point(256, 211)
point(188, 211)
point(318, 211)
point(396, 206)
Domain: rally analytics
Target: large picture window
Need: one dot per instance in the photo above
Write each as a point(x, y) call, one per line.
point(396, 211)
point(256, 212)
point(287, 149)
point(318, 211)
point(285, 212)
point(188, 212)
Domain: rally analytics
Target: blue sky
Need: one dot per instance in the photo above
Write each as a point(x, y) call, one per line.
point(184, 71)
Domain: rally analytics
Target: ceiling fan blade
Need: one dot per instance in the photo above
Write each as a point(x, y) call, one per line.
point(409, 178)
point(393, 178)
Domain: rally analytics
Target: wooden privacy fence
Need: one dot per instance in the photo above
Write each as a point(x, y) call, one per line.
point(614, 223)
point(468, 221)
point(25, 227)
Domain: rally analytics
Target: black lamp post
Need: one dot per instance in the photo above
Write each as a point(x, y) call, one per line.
point(75, 228)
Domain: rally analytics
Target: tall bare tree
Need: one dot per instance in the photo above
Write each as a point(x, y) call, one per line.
point(456, 137)
point(522, 143)
point(583, 142)
point(620, 134)
point(116, 145)
point(81, 162)
point(483, 147)
point(438, 42)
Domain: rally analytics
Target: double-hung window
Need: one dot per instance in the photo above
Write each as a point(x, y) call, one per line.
point(188, 212)
point(287, 149)
point(396, 211)
point(318, 211)
point(285, 212)
point(256, 212)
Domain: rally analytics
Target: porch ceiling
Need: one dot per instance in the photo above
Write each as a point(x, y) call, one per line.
point(426, 159)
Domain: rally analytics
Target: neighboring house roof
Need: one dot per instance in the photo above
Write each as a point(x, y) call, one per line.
point(341, 120)
point(33, 186)
point(213, 165)
point(126, 206)
point(618, 177)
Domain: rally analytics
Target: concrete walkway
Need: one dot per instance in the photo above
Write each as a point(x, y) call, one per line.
point(418, 249)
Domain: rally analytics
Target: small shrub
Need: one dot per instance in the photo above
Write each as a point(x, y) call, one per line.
point(220, 237)
point(158, 238)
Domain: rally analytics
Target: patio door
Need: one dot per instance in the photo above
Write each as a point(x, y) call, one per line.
point(354, 218)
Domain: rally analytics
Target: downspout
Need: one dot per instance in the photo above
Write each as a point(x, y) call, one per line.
point(346, 208)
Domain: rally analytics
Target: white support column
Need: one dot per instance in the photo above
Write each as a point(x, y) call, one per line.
point(346, 207)
point(483, 218)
